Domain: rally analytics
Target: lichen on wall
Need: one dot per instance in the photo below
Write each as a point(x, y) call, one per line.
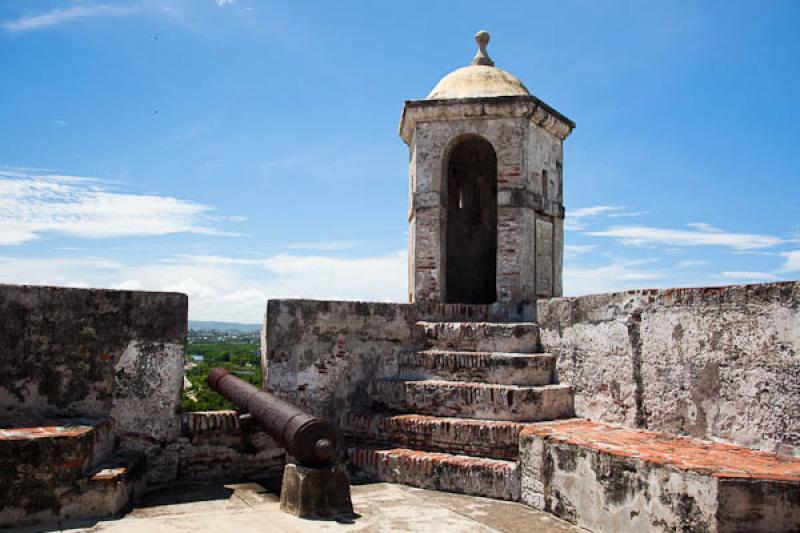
point(147, 383)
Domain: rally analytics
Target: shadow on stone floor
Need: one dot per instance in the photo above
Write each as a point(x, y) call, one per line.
point(268, 485)
point(253, 505)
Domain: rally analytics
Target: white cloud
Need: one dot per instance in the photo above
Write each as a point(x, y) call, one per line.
point(227, 288)
point(792, 263)
point(574, 250)
point(215, 260)
point(331, 246)
point(596, 210)
point(577, 219)
point(702, 226)
point(616, 276)
point(702, 235)
point(65, 15)
point(34, 203)
point(381, 278)
point(127, 285)
point(582, 217)
point(320, 162)
point(627, 214)
point(749, 276)
point(689, 263)
point(56, 271)
point(223, 2)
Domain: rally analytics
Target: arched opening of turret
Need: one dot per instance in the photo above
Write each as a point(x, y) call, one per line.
point(471, 227)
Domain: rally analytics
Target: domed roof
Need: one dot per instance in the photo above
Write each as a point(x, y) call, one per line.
point(480, 79)
point(477, 81)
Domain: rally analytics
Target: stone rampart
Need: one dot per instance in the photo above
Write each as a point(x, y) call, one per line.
point(715, 363)
point(92, 353)
point(117, 357)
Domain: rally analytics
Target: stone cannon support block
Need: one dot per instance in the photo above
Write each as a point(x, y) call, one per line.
point(316, 492)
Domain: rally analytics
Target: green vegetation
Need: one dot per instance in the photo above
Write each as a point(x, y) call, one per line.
point(240, 358)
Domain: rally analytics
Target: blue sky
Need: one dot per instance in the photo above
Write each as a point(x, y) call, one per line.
point(241, 150)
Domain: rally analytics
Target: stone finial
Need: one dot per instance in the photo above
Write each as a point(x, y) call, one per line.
point(481, 57)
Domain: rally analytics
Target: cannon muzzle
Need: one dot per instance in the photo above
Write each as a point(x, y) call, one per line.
point(311, 440)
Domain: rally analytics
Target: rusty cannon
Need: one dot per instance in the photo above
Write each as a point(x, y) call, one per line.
point(310, 440)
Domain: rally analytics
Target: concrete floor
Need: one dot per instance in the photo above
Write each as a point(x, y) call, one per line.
point(383, 507)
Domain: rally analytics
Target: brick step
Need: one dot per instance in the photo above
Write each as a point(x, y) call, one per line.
point(491, 478)
point(482, 336)
point(443, 312)
point(482, 438)
point(105, 491)
point(57, 449)
point(473, 400)
point(611, 478)
point(487, 367)
point(108, 489)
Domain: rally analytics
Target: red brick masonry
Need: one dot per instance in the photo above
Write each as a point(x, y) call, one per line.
point(44, 432)
point(685, 453)
point(441, 471)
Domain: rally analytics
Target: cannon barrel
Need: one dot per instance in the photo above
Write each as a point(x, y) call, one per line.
point(311, 440)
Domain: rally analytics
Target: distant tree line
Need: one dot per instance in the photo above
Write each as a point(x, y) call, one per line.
point(241, 359)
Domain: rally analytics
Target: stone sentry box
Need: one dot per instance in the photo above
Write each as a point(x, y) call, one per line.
point(486, 210)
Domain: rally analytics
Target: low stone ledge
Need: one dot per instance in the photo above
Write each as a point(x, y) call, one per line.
point(196, 422)
point(208, 445)
point(219, 444)
point(612, 478)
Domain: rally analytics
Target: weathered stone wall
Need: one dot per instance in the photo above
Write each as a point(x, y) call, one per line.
point(97, 354)
point(92, 353)
point(712, 363)
point(321, 356)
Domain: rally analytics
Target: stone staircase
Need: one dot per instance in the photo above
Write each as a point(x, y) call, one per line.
point(475, 411)
point(452, 417)
point(64, 470)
